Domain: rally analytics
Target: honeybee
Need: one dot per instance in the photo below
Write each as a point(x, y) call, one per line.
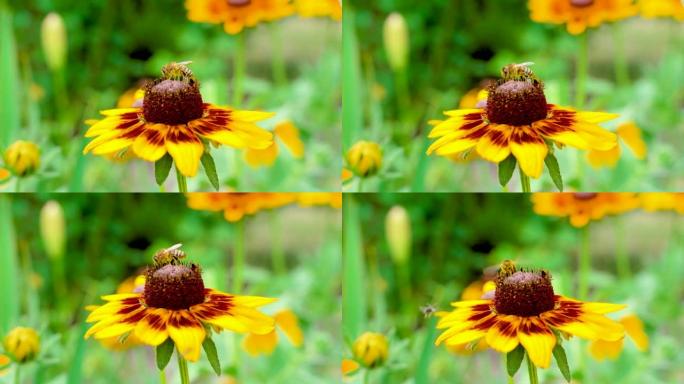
point(428, 310)
point(519, 72)
point(507, 268)
point(171, 255)
point(178, 71)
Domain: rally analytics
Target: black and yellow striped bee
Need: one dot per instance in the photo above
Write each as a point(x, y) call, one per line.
point(178, 71)
point(507, 268)
point(519, 72)
point(171, 255)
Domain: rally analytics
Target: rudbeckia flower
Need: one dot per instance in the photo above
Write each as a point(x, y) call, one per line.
point(364, 158)
point(174, 119)
point(287, 322)
point(236, 15)
point(579, 15)
point(583, 207)
point(22, 343)
point(235, 206)
point(175, 304)
point(524, 310)
point(22, 158)
point(371, 349)
point(319, 8)
point(518, 121)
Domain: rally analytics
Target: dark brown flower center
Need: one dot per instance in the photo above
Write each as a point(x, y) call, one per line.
point(174, 286)
point(524, 294)
point(585, 195)
point(239, 3)
point(581, 3)
point(516, 102)
point(172, 102)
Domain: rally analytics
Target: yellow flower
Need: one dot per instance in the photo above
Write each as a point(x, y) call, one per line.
point(349, 366)
point(289, 135)
point(662, 201)
point(365, 158)
point(174, 119)
point(583, 207)
point(525, 311)
point(661, 8)
point(287, 322)
point(175, 304)
point(22, 343)
point(237, 14)
point(22, 158)
point(319, 8)
point(235, 206)
point(603, 349)
point(308, 199)
point(371, 349)
point(578, 15)
point(518, 121)
point(631, 135)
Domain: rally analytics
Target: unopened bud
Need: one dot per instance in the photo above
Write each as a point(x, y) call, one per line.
point(398, 232)
point(396, 37)
point(54, 39)
point(53, 229)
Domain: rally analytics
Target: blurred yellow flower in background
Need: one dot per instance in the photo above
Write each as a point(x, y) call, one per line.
point(349, 366)
point(631, 135)
point(319, 8)
point(661, 8)
point(603, 349)
point(309, 199)
point(346, 174)
point(4, 174)
point(22, 158)
point(578, 15)
point(22, 343)
point(662, 201)
point(583, 207)
point(236, 15)
point(4, 364)
point(371, 349)
point(365, 158)
point(287, 322)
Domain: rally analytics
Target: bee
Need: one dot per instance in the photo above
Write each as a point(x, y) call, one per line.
point(428, 310)
point(507, 268)
point(171, 255)
point(519, 72)
point(178, 71)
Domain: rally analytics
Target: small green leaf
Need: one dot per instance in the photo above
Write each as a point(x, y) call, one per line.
point(554, 171)
point(562, 361)
point(210, 169)
point(210, 350)
point(506, 169)
point(164, 352)
point(513, 360)
point(162, 167)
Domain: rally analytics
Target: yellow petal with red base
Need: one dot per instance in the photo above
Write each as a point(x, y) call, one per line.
point(537, 339)
point(187, 333)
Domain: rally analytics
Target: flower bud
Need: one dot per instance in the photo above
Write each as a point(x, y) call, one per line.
point(54, 39)
point(371, 349)
point(365, 158)
point(22, 343)
point(398, 232)
point(396, 37)
point(22, 158)
point(52, 229)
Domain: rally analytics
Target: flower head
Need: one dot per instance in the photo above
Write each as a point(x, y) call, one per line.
point(175, 304)
point(22, 343)
point(578, 15)
point(365, 158)
point(174, 119)
point(371, 349)
point(525, 310)
point(22, 158)
point(518, 121)
point(583, 207)
point(236, 15)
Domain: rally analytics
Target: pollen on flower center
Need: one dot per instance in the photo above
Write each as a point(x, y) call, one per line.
point(581, 3)
point(174, 286)
point(516, 102)
point(172, 102)
point(238, 3)
point(524, 294)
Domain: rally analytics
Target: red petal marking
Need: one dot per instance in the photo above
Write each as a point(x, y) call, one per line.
point(479, 315)
point(180, 320)
point(181, 135)
point(470, 125)
point(128, 309)
point(155, 322)
point(498, 138)
point(133, 133)
point(525, 136)
point(477, 133)
point(533, 327)
point(127, 124)
point(506, 328)
point(486, 324)
point(135, 318)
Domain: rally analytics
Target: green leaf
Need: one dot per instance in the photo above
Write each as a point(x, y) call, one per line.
point(514, 359)
point(164, 352)
point(506, 169)
point(210, 169)
point(210, 350)
point(562, 361)
point(162, 167)
point(554, 170)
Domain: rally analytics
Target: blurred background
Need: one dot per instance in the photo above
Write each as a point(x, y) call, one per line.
point(292, 253)
point(453, 48)
point(110, 47)
point(407, 253)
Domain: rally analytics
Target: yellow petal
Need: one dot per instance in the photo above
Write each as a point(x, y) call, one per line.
point(152, 329)
point(631, 135)
point(289, 134)
point(187, 333)
point(538, 341)
point(602, 349)
point(503, 336)
point(635, 329)
point(186, 150)
point(530, 156)
point(288, 322)
point(257, 345)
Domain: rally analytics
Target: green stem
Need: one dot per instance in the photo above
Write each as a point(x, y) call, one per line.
point(621, 68)
point(510, 380)
point(17, 184)
point(238, 256)
point(366, 376)
point(162, 377)
point(624, 270)
point(183, 368)
point(17, 374)
point(277, 56)
point(532, 370)
point(524, 181)
point(182, 182)
point(584, 264)
point(360, 189)
point(240, 64)
point(582, 70)
point(277, 253)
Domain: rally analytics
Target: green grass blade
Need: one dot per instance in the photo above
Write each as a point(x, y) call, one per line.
point(354, 292)
point(422, 370)
point(9, 75)
point(9, 268)
point(352, 117)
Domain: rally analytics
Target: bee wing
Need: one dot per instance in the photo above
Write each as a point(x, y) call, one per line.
point(173, 247)
point(527, 63)
point(185, 62)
